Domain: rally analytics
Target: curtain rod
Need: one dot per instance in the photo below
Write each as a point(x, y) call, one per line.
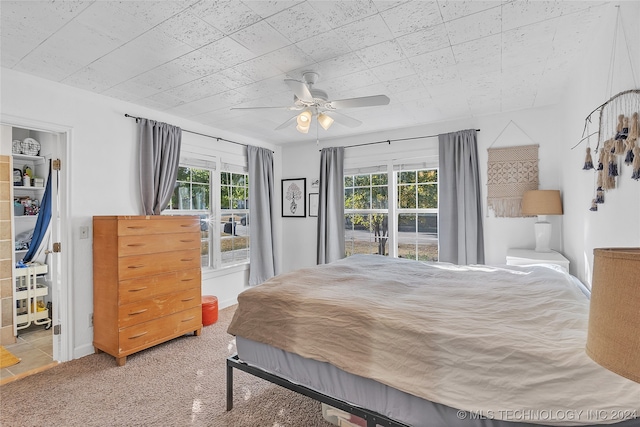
point(196, 133)
point(388, 141)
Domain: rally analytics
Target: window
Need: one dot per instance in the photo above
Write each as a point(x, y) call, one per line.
point(414, 208)
point(366, 203)
point(417, 211)
point(234, 219)
point(192, 196)
point(225, 241)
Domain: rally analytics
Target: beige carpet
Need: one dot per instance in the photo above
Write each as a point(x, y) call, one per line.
point(7, 358)
point(178, 383)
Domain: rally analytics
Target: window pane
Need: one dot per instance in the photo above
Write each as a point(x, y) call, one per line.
point(238, 197)
point(200, 199)
point(379, 179)
point(348, 198)
point(348, 181)
point(428, 176)
point(361, 198)
point(366, 234)
point(418, 236)
point(237, 179)
point(427, 196)
point(379, 199)
point(184, 196)
point(406, 196)
point(225, 199)
point(225, 178)
point(407, 177)
point(362, 180)
point(184, 174)
point(200, 175)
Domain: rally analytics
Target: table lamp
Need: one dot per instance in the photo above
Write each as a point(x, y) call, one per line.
point(542, 203)
point(613, 336)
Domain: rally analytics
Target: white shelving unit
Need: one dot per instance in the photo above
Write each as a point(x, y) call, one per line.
point(31, 292)
point(29, 297)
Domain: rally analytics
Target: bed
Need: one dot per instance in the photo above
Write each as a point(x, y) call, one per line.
point(402, 342)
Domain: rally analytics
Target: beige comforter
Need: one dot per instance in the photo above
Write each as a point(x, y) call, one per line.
point(504, 343)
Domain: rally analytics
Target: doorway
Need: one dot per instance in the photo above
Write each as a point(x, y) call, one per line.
point(40, 298)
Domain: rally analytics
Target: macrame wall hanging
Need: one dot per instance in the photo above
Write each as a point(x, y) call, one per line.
point(510, 172)
point(617, 146)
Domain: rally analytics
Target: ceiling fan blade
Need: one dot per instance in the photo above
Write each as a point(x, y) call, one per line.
point(365, 101)
point(343, 119)
point(287, 123)
point(263, 108)
point(300, 89)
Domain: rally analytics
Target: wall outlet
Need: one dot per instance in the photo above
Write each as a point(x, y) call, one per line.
point(84, 232)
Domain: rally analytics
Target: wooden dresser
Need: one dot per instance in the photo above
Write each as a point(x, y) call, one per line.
point(146, 281)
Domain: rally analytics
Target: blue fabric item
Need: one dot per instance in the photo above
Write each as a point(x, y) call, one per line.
point(42, 223)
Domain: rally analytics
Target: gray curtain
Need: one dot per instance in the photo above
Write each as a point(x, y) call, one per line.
point(261, 198)
point(331, 205)
point(159, 159)
point(460, 233)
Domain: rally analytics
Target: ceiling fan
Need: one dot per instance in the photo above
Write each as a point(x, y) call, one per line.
point(315, 103)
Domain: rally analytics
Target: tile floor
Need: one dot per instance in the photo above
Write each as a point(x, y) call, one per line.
point(34, 347)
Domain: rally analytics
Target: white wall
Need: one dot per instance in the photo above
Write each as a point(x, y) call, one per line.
point(103, 176)
point(617, 221)
point(535, 126)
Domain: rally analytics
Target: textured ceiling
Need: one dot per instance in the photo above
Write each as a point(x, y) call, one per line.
point(435, 60)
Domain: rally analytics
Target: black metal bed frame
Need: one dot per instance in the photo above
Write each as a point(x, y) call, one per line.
point(372, 418)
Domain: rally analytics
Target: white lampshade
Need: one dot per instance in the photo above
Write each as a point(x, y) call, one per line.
point(325, 121)
point(613, 337)
point(303, 129)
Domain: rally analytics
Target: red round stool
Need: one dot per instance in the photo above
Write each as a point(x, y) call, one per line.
point(209, 310)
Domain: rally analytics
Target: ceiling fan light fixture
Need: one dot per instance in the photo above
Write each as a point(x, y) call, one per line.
point(303, 129)
point(304, 118)
point(325, 121)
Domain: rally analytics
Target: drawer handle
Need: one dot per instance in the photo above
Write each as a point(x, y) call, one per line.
point(138, 290)
point(186, 225)
point(138, 312)
point(138, 336)
point(133, 245)
point(187, 280)
point(188, 320)
point(135, 266)
point(188, 299)
point(186, 241)
point(186, 259)
point(136, 227)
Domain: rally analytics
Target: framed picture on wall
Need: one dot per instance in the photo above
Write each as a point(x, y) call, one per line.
point(294, 195)
point(313, 204)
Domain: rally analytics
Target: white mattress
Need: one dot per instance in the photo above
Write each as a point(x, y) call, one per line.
point(366, 393)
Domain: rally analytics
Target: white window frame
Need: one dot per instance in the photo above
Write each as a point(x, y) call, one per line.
point(215, 166)
point(392, 167)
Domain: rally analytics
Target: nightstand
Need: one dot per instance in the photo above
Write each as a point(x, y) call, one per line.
point(529, 256)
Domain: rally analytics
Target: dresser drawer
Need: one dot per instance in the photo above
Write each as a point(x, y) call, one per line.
point(142, 288)
point(157, 263)
point(153, 243)
point(155, 331)
point(159, 306)
point(174, 224)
